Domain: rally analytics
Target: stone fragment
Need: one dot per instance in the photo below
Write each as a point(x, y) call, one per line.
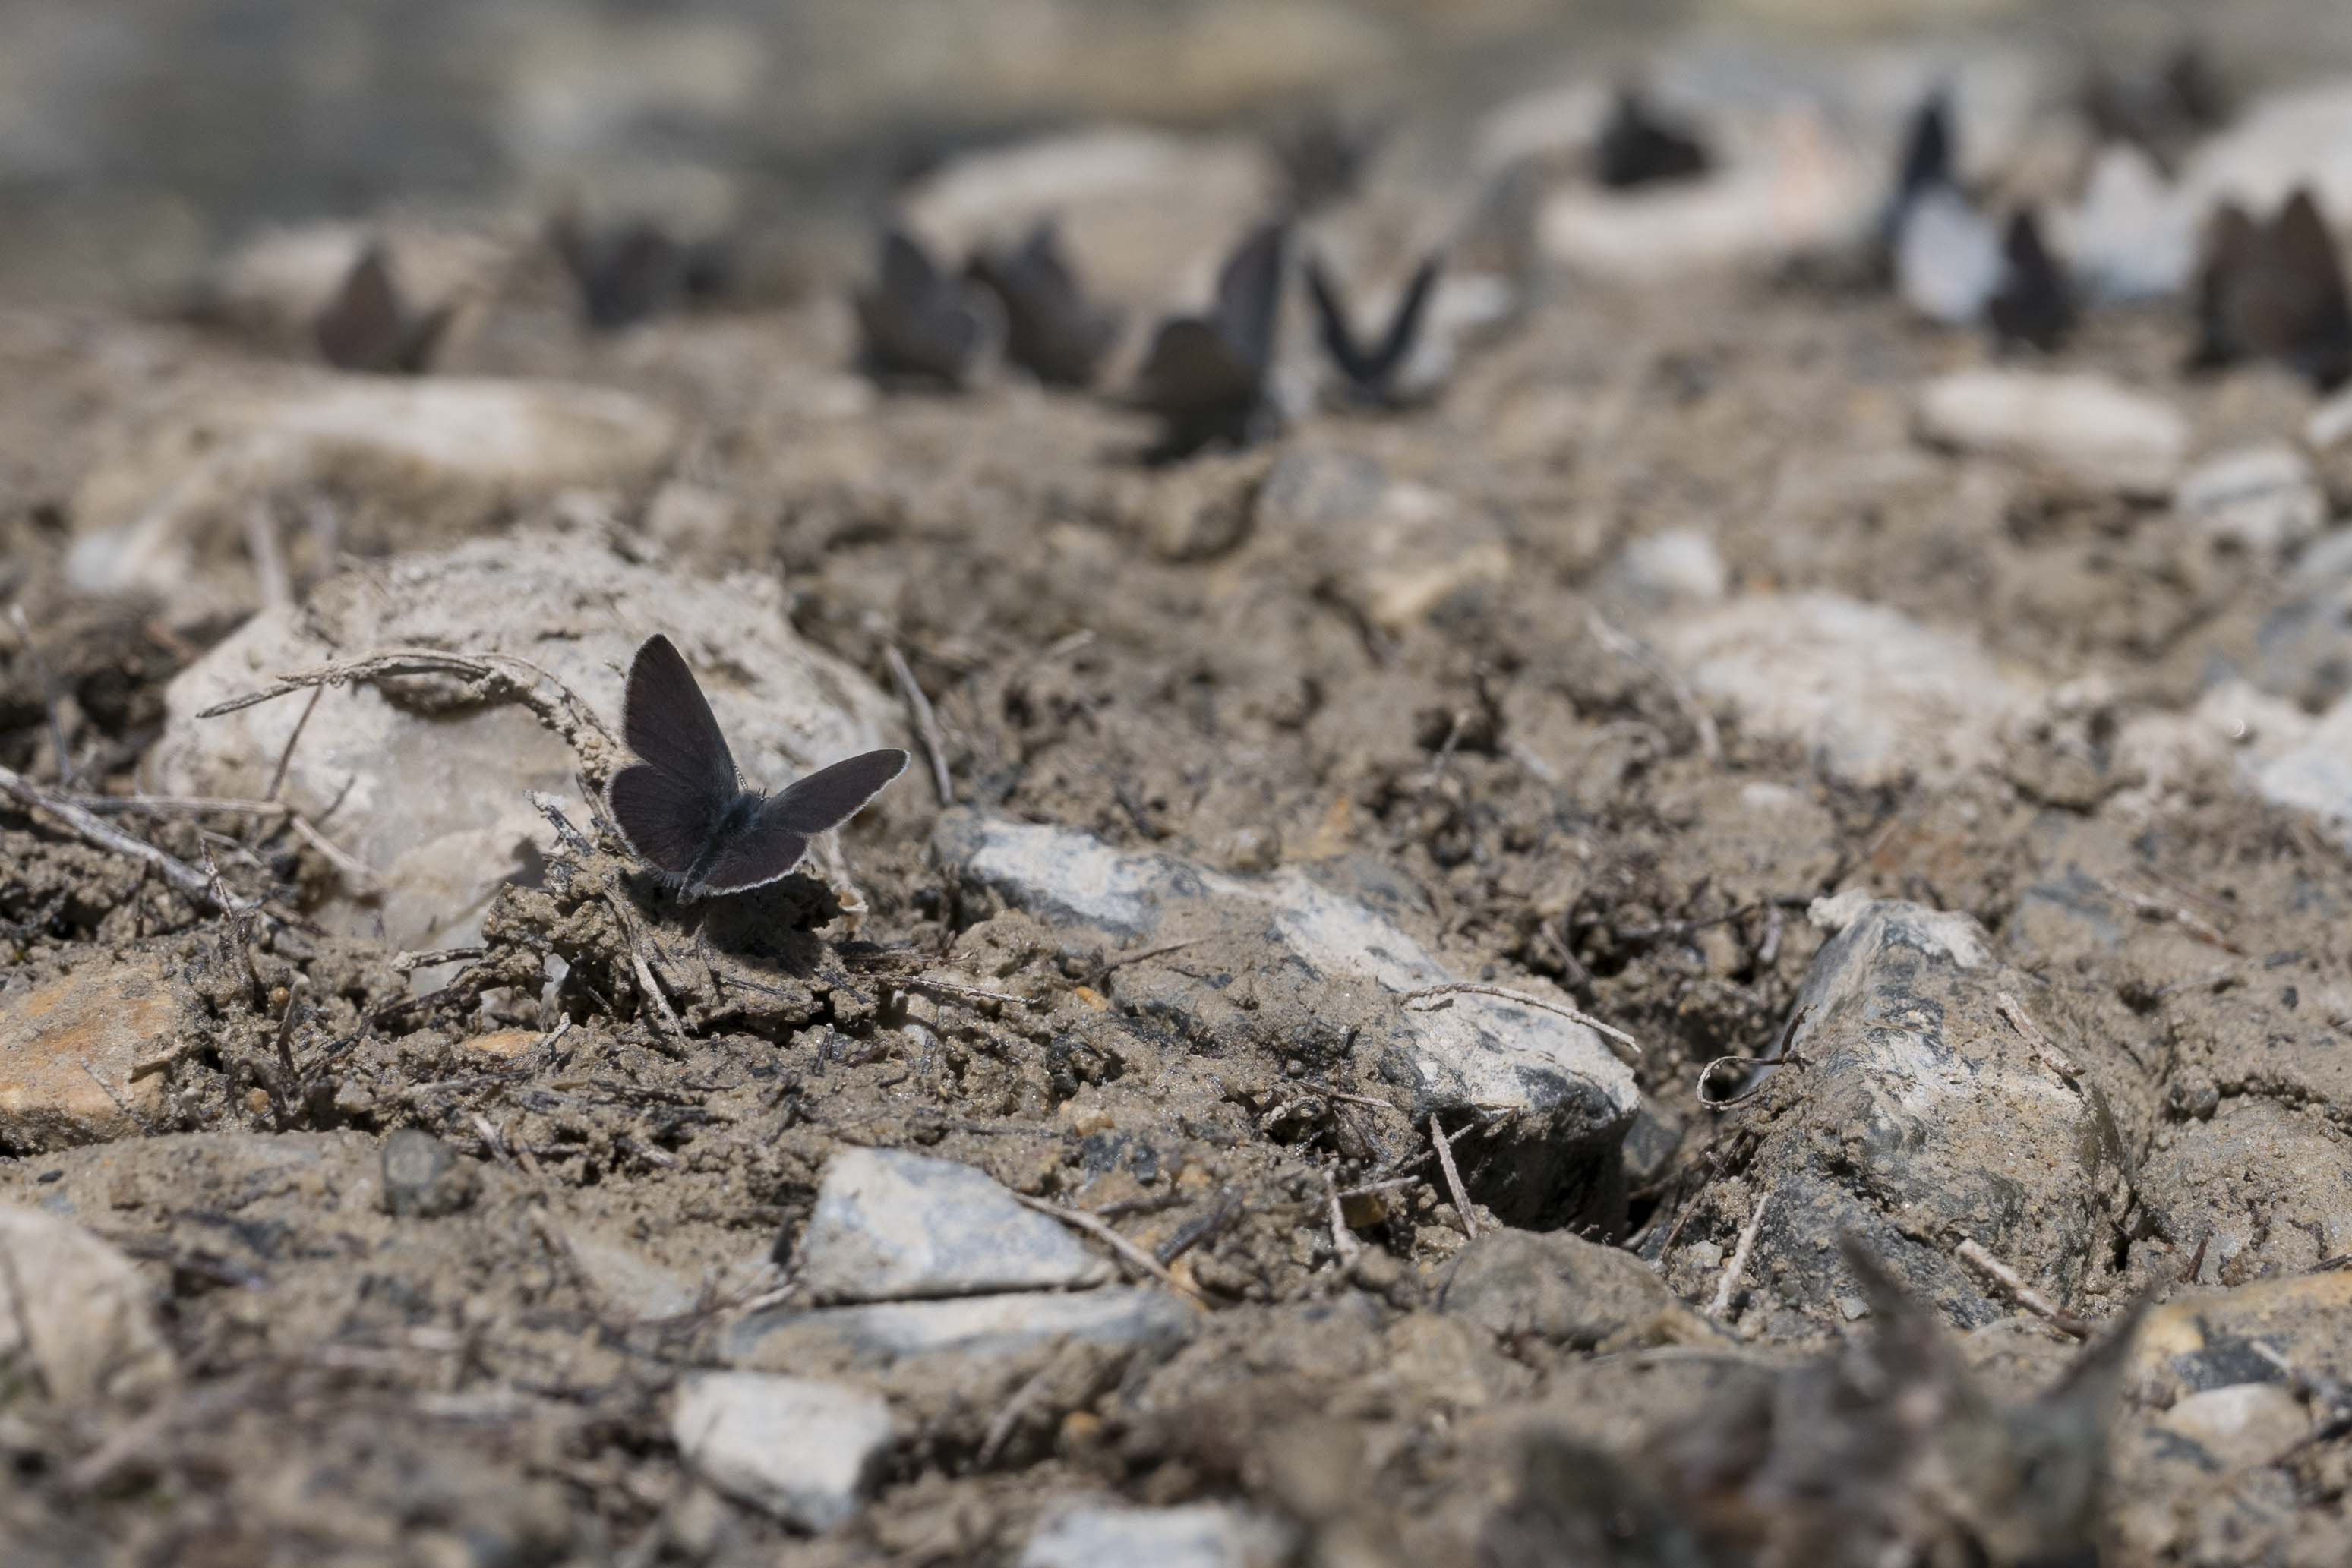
point(425, 1178)
point(1673, 568)
point(74, 1312)
point(1197, 1535)
point(430, 788)
point(68, 1047)
point(2258, 1189)
point(1562, 1290)
point(892, 1225)
point(1919, 1097)
point(2262, 498)
point(801, 1449)
point(629, 1285)
point(2314, 773)
point(2093, 430)
point(974, 1328)
point(1874, 696)
point(2303, 649)
point(168, 508)
point(2207, 1339)
point(1339, 965)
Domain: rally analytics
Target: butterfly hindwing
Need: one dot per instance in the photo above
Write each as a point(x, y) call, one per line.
point(778, 837)
point(666, 820)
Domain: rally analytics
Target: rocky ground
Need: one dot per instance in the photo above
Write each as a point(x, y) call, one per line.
point(1256, 1091)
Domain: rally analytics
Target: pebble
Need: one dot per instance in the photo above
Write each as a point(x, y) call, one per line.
point(1921, 1096)
point(1197, 1535)
point(455, 453)
point(425, 1178)
point(2265, 499)
point(2313, 774)
point(799, 1449)
point(2087, 426)
point(436, 801)
point(105, 1017)
point(974, 1328)
point(892, 1225)
point(1673, 568)
point(2302, 651)
point(1872, 694)
point(1559, 1289)
point(1313, 953)
point(76, 1312)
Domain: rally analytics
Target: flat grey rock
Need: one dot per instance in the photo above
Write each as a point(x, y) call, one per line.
point(1918, 1101)
point(2093, 430)
point(1333, 963)
point(1198, 1535)
point(892, 1225)
point(976, 1328)
point(432, 792)
point(801, 1449)
point(1872, 694)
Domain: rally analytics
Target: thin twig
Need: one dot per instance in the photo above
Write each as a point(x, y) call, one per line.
point(1344, 1245)
point(1627, 1049)
point(1129, 1252)
point(2057, 1060)
point(1124, 959)
point(286, 752)
point(268, 560)
point(1000, 1425)
point(927, 723)
point(286, 1025)
point(184, 878)
point(178, 806)
point(1710, 744)
point(120, 1102)
point(1452, 1178)
point(2025, 1295)
point(409, 962)
point(357, 871)
point(1732, 1270)
point(569, 837)
point(662, 1009)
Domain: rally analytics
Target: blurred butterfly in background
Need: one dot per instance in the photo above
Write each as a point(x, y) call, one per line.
point(1640, 147)
point(1372, 371)
point(635, 271)
point(683, 809)
point(2275, 291)
point(1322, 158)
point(1051, 329)
point(367, 327)
point(918, 321)
point(1206, 376)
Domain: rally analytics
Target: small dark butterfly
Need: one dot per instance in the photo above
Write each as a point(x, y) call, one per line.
point(1926, 161)
point(2163, 110)
point(1205, 376)
point(1638, 147)
point(1322, 158)
point(1051, 330)
point(636, 271)
point(682, 807)
point(367, 327)
point(921, 322)
point(1371, 370)
point(2035, 302)
point(2275, 291)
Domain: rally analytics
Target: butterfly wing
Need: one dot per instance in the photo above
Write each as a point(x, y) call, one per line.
point(1331, 326)
point(361, 327)
point(777, 839)
point(1192, 371)
point(669, 802)
point(2036, 304)
point(2313, 329)
point(634, 278)
point(1249, 294)
point(1404, 327)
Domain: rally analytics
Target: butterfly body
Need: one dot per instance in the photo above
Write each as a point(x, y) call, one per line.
point(682, 808)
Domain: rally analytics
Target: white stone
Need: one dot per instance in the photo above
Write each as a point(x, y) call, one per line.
point(1672, 569)
point(2260, 498)
point(174, 495)
point(437, 801)
point(801, 1449)
point(1791, 188)
point(1197, 1535)
point(893, 1225)
point(972, 1327)
point(75, 1311)
point(2241, 1423)
point(2085, 425)
point(2132, 236)
point(2330, 424)
point(1948, 258)
point(1872, 694)
point(2302, 136)
point(2315, 775)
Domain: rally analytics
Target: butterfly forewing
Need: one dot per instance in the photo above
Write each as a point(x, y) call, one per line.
point(1249, 294)
point(362, 327)
point(668, 722)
